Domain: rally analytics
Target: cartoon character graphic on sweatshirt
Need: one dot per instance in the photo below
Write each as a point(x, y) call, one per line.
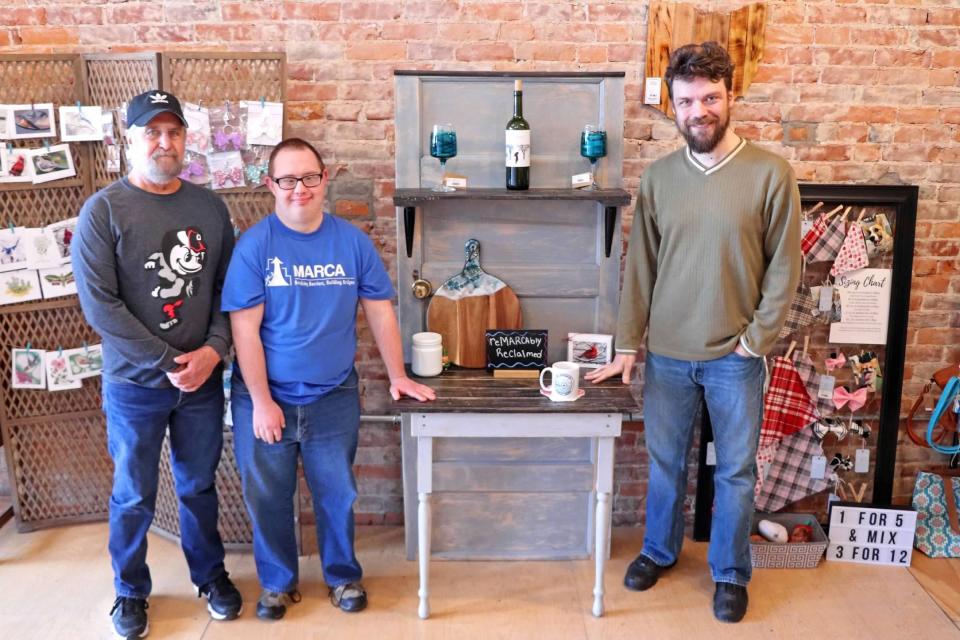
point(178, 264)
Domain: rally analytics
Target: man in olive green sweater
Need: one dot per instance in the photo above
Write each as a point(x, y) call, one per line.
point(713, 261)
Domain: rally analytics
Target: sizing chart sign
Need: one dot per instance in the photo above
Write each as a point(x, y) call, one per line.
point(871, 535)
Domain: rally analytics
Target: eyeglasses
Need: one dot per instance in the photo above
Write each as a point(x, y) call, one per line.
point(288, 183)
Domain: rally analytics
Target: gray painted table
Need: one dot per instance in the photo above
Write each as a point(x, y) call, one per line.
point(473, 404)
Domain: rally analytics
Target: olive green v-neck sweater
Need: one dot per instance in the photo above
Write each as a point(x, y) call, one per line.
point(714, 255)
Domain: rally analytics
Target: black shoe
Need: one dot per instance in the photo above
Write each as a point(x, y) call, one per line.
point(643, 573)
point(349, 597)
point(272, 605)
point(224, 602)
point(729, 602)
point(129, 617)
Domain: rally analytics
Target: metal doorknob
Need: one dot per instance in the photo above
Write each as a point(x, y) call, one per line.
point(421, 288)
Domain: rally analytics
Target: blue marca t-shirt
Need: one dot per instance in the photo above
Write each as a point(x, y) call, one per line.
point(310, 284)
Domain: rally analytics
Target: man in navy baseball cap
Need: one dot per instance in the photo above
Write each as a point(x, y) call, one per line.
point(146, 106)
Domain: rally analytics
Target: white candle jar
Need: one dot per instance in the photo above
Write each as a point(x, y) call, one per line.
point(426, 354)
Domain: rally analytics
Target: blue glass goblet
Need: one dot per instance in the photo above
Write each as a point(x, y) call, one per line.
point(593, 146)
point(443, 145)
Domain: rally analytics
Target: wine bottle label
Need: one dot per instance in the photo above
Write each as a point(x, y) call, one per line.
point(518, 148)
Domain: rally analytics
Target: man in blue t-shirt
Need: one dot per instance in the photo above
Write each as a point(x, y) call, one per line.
point(292, 291)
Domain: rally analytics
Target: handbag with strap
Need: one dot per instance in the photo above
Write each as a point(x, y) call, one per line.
point(938, 525)
point(945, 425)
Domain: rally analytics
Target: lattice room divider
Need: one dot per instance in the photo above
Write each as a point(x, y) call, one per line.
point(56, 441)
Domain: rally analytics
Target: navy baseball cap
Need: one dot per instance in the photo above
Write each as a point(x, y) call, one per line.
point(147, 106)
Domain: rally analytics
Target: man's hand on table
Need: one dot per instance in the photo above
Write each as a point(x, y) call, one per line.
point(622, 364)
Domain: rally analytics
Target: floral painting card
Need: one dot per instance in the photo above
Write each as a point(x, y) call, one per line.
point(84, 362)
point(28, 369)
point(58, 372)
point(19, 286)
point(58, 281)
point(41, 248)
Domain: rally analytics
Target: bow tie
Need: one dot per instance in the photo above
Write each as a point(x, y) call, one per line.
point(856, 399)
point(835, 363)
point(234, 176)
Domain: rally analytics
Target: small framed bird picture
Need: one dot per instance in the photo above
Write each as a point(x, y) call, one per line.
point(590, 350)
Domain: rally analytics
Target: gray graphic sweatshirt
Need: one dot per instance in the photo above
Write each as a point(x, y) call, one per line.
point(149, 271)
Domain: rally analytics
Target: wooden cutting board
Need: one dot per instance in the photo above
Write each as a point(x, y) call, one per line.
point(466, 305)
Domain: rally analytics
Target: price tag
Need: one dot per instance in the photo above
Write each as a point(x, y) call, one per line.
point(711, 454)
point(651, 91)
point(581, 180)
point(826, 298)
point(862, 461)
point(456, 183)
point(818, 467)
point(825, 392)
point(805, 226)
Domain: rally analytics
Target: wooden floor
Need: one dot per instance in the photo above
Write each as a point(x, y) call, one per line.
point(57, 584)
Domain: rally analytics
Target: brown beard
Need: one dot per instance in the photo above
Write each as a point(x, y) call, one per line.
point(704, 145)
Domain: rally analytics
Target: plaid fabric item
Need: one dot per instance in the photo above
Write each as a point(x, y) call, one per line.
point(765, 456)
point(800, 313)
point(786, 406)
point(789, 477)
point(828, 244)
point(810, 237)
point(811, 380)
point(853, 253)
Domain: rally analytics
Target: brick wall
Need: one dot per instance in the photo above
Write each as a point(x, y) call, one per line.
point(860, 91)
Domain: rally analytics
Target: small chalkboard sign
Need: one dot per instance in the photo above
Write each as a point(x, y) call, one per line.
point(516, 353)
point(871, 535)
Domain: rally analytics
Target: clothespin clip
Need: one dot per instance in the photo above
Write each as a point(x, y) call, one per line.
point(845, 212)
point(79, 108)
point(86, 350)
point(200, 104)
point(830, 214)
point(262, 102)
point(813, 209)
point(806, 344)
point(29, 346)
point(12, 230)
point(46, 146)
point(59, 350)
point(863, 212)
point(793, 343)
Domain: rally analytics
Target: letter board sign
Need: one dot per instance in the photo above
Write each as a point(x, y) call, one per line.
point(871, 535)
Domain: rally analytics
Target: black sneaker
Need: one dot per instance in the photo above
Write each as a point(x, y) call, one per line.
point(643, 573)
point(272, 605)
point(129, 617)
point(729, 602)
point(349, 597)
point(224, 602)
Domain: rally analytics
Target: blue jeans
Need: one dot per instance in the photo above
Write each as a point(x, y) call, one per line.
point(324, 433)
point(137, 420)
point(733, 389)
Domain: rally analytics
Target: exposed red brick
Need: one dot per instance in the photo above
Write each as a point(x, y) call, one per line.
point(493, 11)
point(20, 16)
point(74, 15)
point(243, 11)
point(376, 51)
point(322, 11)
point(482, 51)
point(546, 51)
point(48, 35)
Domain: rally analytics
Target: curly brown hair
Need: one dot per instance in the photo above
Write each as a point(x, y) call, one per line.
point(708, 60)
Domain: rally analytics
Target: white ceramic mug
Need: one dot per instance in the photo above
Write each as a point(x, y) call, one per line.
point(566, 381)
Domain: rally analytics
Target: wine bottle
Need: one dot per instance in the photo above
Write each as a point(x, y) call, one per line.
point(518, 143)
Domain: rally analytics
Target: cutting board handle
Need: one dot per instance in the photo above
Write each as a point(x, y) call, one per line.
point(472, 271)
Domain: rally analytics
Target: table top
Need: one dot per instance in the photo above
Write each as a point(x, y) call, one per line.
point(477, 391)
